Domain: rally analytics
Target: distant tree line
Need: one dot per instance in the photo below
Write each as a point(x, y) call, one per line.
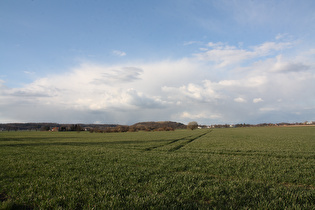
point(101, 128)
point(141, 126)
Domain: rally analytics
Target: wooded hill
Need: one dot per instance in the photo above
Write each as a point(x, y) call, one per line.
point(161, 124)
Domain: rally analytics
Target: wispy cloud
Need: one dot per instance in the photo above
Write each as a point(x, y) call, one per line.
point(257, 100)
point(191, 42)
point(240, 100)
point(29, 72)
point(119, 53)
point(224, 55)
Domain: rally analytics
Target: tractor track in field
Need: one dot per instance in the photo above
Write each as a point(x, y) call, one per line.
point(172, 142)
point(187, 140)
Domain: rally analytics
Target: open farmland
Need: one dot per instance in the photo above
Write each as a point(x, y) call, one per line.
point(268, 167)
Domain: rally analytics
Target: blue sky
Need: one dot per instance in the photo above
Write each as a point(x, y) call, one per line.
point(180, 60)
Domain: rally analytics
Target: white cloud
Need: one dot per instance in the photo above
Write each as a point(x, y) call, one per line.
point(118, 75)
point(268, 47)
point(203, 49)
point(240, 100)
point(281, 36)
point(201, 115)
point(223, 55)
point(268, 109)
point(204, 92)
point(119, 53)
point(257, 100)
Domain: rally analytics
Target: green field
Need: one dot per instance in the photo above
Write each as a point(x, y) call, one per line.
point(235, 168)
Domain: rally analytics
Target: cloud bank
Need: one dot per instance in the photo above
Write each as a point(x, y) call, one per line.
point(219, 84)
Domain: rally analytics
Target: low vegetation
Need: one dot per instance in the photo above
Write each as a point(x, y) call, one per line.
point(237, 168)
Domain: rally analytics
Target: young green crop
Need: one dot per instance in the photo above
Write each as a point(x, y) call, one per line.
point(221, 168)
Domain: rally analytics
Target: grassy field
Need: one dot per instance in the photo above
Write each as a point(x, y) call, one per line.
point(236, 168)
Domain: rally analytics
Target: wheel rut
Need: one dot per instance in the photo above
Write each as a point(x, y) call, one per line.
point(172, 142)
point(185, 140)
point(188, 141)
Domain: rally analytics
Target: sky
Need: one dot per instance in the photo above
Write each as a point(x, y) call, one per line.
point(129, 61)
